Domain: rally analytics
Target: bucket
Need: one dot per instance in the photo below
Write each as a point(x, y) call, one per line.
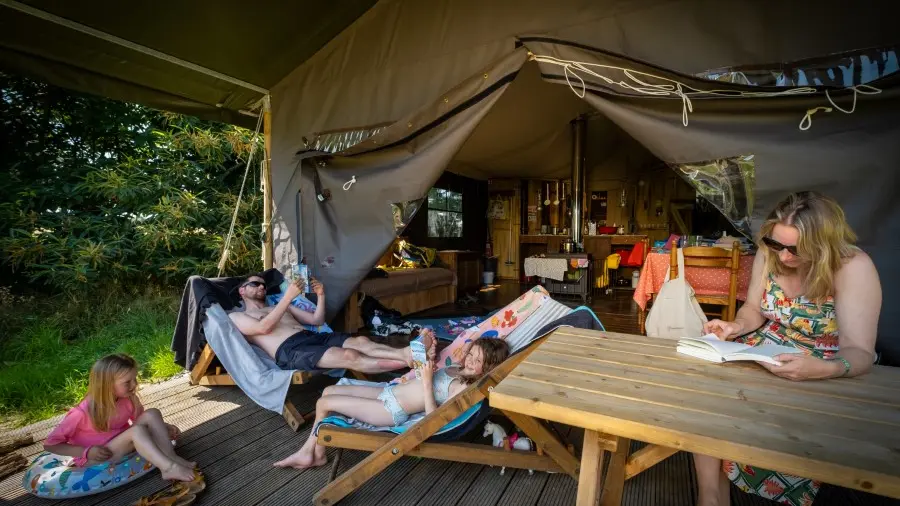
point(487, 277)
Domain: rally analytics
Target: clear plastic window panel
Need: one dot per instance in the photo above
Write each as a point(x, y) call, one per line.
point(403, 213)
point(837, 71)
point(727, 184)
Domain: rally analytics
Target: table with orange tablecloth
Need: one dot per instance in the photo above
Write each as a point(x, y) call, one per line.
point(704, 280)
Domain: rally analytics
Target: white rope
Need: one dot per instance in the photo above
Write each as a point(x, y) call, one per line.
point(349, 184)
point(860, 89)
point(636, 82)
point(227, 246)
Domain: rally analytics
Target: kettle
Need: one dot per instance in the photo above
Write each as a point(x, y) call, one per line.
point(568, 246)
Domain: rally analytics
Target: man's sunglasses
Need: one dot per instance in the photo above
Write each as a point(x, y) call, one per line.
point(252, 284)
point(777, 246)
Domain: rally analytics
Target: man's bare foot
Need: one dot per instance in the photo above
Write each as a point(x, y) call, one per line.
point(178, 472)
point(430, 344)
point(302, 460)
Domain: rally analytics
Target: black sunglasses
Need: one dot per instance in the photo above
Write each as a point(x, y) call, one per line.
point(777, 246)
point(253, 284)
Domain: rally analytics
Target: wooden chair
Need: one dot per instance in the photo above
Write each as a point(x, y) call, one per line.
point(552, 454)
point(716, 258)
point(705, 257)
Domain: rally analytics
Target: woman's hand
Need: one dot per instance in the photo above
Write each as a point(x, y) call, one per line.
point(798, 367)
point(725, 331)
point(428, 374)
point(174, 432)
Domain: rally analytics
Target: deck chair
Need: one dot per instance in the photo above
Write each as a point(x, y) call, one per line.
point(201, 297)
point(252, 359)
point(430, 437)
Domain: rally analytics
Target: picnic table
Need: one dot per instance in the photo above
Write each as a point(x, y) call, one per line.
point(620, 387)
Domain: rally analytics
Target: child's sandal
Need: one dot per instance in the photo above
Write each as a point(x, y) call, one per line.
point(169, 497)
point(197, 485)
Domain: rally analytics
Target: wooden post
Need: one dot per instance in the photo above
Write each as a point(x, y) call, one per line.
point(591, 470)
point(268, 205)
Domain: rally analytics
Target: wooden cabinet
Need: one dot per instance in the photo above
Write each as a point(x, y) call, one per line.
point(468, 267)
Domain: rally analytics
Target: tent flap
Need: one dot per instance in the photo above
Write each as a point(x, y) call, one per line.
point(344, 236)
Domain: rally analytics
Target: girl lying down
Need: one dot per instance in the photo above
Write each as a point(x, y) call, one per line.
point(394, 404)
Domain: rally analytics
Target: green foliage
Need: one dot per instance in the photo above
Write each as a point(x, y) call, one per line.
point(96, 193)
point(52, 344)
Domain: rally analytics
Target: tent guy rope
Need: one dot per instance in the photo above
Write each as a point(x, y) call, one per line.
point(636, 81)
point(227, 245)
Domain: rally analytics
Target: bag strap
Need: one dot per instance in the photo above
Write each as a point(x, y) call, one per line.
point(680, 254)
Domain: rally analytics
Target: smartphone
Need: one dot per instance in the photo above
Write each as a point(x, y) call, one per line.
point(301, 271)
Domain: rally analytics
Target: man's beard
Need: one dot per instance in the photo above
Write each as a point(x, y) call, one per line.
point(255, 296)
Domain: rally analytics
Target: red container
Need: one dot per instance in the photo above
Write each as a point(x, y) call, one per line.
point(606, 230)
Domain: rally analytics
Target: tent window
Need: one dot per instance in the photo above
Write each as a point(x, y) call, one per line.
point(727, 184)
point(445, 217)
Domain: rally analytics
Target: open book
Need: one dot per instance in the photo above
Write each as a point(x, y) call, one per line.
point(710, 347)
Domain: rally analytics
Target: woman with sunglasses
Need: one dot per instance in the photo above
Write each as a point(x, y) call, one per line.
point(811, 288)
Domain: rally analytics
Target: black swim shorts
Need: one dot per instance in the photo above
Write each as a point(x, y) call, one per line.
point(303, 350)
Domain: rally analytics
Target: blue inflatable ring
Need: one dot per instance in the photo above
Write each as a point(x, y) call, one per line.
point(53, 476)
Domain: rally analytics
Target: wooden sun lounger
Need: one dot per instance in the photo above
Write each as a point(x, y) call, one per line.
point(202, 374)
point(551, 455)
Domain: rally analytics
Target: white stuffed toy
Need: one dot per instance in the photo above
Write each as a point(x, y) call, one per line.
point(501, 440)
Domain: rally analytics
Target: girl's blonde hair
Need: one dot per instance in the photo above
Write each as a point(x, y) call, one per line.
point(101, 388)
point(495, 351)
point(826, 240)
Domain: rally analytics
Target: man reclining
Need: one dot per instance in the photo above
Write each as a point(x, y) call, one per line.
point(279, 331)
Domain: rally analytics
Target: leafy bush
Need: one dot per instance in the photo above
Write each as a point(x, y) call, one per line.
point(96, 193)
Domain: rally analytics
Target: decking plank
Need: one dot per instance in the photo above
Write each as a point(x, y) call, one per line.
point(452, 486)
point(303, 485)
point(524, 489)
point(488, 487)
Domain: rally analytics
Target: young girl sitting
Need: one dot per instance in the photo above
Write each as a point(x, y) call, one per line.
point(394, 404)
point(97, 429)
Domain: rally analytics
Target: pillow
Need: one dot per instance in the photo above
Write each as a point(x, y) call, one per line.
point(417, 256)
point(52, 475)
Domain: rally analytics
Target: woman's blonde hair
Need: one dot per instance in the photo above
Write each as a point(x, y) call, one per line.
point(825, 241)
point(495, 351)
point(101, 388)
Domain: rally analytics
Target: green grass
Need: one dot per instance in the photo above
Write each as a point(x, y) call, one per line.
point(46, 352)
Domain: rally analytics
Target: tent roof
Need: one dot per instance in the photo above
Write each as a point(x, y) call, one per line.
point(401, 48)
point(257, 43)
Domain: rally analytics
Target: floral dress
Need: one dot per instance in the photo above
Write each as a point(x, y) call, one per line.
point(810, 327)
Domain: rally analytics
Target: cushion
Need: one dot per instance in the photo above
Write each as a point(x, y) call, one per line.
point(51, 475)
point(403, 281)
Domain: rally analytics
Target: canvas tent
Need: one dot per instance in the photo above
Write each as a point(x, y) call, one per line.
point(397, 91)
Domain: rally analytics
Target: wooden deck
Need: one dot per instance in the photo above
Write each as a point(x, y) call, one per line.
point(235, 443)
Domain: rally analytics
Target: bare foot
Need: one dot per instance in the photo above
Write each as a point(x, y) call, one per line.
point(178, 472)
point(302, 460)
point(190, 464)
point(430, 344)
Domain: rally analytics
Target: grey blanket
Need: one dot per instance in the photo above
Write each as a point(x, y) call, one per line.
point(253, 371)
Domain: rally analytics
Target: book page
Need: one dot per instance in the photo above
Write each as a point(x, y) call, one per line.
point(762, 353)
point(710, 341)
